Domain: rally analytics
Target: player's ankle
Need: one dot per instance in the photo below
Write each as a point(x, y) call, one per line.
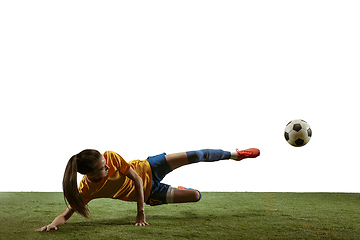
point(234, 155)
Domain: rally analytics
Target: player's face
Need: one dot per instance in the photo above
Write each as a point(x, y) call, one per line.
point(102, 169)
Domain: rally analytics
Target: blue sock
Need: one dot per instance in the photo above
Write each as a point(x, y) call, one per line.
point(207, 155)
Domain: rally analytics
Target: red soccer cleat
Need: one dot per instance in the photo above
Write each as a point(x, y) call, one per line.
point(248, 153)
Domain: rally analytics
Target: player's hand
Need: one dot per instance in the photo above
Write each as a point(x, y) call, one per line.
point(46, 228)
point(140, 219)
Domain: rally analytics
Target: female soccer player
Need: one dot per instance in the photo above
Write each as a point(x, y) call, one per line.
point(108, 175)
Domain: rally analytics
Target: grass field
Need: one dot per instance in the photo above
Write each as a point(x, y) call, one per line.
point(216, 216)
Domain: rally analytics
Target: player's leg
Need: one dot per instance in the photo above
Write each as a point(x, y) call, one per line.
point(162, 193)
point(162, 164)
point(177, 160)
point(176, 195)
point(208, 155)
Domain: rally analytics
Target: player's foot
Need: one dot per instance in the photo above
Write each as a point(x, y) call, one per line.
point(248, 153)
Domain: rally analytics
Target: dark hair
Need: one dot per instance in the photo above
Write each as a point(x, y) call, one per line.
point(84, 162)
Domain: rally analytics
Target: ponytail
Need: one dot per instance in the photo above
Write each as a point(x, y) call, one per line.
point(70, 188)
point(85, 162)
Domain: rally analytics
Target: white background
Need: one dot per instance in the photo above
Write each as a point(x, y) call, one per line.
point(146, 77)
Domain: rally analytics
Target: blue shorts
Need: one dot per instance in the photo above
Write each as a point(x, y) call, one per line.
point(159, 169)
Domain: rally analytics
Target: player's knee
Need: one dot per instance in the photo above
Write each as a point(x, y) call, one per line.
point(196, 196)
point(192, 195)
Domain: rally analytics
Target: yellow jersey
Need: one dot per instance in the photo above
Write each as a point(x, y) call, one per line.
point(116, 184)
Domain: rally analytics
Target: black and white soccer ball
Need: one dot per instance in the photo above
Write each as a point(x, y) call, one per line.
point(297, 133)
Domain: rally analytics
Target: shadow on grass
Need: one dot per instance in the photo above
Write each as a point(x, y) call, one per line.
point(156, 219)
point(182, 217)
point(98, 223)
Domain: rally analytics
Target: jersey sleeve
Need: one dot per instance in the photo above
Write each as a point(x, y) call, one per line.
point(117, 161)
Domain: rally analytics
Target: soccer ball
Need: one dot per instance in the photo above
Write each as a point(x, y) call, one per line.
point(297, 133)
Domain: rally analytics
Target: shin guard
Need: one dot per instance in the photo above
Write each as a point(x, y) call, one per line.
point(207, 155)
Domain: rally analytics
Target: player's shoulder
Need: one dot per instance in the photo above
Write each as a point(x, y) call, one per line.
point(110, 154)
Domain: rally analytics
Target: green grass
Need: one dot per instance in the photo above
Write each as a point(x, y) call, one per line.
point(216, 216)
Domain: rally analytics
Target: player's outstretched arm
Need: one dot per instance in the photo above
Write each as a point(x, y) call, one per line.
point(59, 220)
point(140, 217)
